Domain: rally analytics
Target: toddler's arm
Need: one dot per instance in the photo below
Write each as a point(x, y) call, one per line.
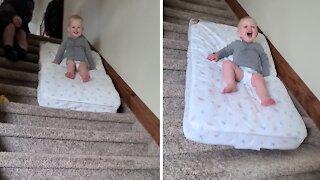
point(224, 52)
point(60, 53)
point(90, 62)
point(265, 66)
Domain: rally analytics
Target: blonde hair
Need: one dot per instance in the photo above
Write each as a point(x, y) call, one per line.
point(245, 18)
point(74, 17)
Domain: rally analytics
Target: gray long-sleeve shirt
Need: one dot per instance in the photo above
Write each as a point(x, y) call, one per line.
point(76, 49)
point(246, 54)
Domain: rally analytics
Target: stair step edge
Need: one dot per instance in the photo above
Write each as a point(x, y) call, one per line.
point(21, 131)
point(69, 161)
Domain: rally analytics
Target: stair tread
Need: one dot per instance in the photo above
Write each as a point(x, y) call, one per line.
point(19, 90)
point(209, 3)
point(168, 26)
point(187, 15)
point(19, 65)
point(24, 131)
point(67, 123)
point(173, 90)
point(126, 174)
point(199, 8)
point(174, 64)
point(74, 161)
point(35, 110)
point(242, 164)
point(175, 44)
point(18, 75)
point(175, 54)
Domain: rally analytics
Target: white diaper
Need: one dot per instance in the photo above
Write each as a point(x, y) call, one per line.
point(247, 75)
point(246, 80)
point(77, 64)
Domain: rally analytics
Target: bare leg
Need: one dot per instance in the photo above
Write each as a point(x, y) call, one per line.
point(22, 43)
point(22, 39)
point(8, 40)
point(8, 35)
point(231, 74)
point(261, 89)
point(71, 68)
point(84, 72)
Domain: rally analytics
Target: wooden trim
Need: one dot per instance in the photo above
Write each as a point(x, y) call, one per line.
point(146, 117)
point(237, 8)
point(42, 38)
point(289, 77)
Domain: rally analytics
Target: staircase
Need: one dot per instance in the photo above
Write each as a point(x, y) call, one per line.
point(184, 159)
point(44, 143)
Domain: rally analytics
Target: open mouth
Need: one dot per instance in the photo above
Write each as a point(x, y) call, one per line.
point(249, 34)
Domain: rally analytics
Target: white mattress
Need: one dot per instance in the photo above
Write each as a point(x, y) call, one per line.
point(235, 119)
point(57, 91)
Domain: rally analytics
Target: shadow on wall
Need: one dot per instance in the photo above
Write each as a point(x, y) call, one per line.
point(37, 25)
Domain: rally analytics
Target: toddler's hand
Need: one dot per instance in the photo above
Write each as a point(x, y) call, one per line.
point(194, 21)
point(17, 21)
point(213, 57)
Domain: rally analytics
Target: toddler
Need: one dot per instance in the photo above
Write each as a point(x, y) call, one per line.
point(250, 62)
point(77, 51)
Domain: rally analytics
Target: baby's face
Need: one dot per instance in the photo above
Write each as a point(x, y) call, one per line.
point(75, 28)
point(247, 30)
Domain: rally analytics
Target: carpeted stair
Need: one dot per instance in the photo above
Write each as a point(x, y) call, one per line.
point(184, 159)
point(45, 143)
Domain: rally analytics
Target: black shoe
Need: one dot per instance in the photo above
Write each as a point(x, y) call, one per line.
point(22, 53)
point(11, 54)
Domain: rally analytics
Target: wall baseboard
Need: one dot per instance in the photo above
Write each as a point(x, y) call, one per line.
point(290, 78)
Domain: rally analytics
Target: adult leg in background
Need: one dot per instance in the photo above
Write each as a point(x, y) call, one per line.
point(8, 40)
point(22, 43)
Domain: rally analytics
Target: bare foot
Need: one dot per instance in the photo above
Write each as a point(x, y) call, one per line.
point(70, 75)
point(230, 88)
point(86, 78)
point(268, 102)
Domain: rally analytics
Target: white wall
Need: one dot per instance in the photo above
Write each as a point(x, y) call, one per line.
point(131, 43)
point(127, 34)
point(293, 27)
